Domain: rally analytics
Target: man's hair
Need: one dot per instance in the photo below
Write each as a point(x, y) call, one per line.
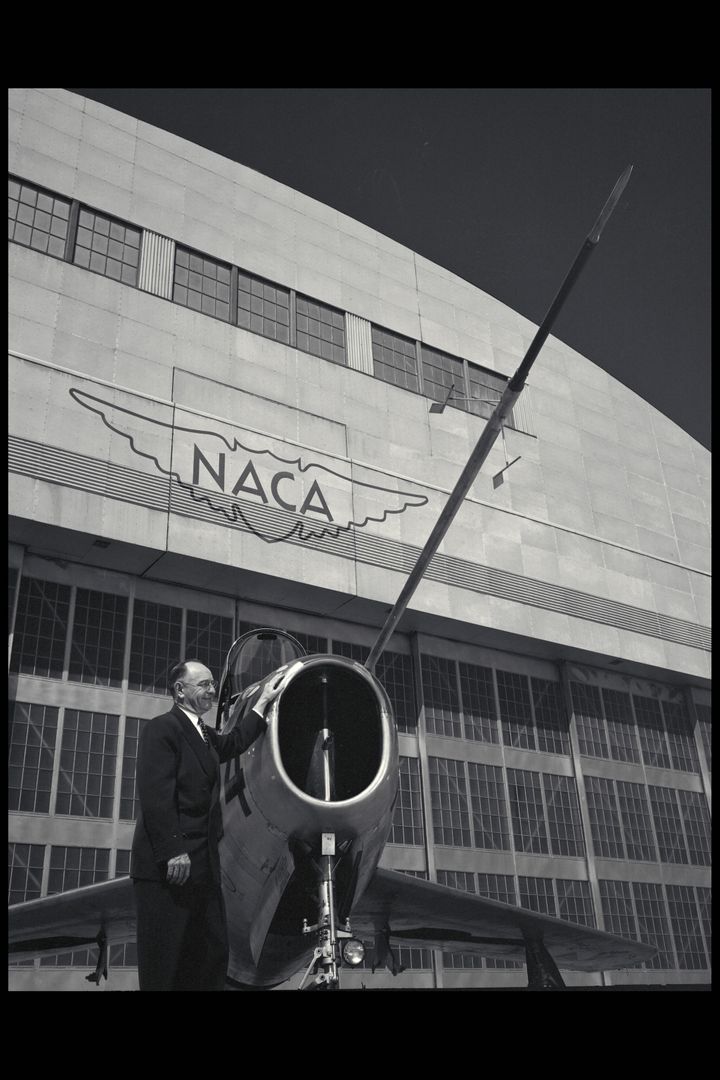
point(177, 674)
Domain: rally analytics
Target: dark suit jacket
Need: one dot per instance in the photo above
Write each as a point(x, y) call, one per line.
point(178, 785)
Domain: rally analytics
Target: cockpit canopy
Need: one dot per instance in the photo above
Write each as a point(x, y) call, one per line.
point(253, 657)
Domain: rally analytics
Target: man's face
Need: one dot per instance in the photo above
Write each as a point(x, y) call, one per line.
point(197, 689)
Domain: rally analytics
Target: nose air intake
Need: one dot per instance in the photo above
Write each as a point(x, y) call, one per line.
point(330, 732)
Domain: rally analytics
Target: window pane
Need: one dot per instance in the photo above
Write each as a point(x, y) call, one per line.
point(315, 321)
point(33, 735)
point(98, 640)
point(37, 215)
point(448, 791)
point(107, 239)
point(87, 780)
point(40, 628)
point(394, 359)
point(442, 704)
point(155, 646)
point(407, 826)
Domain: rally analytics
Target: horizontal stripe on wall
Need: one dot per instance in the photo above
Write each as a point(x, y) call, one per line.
point(80, 472)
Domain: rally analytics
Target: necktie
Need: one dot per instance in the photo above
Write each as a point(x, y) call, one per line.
point(203, 732)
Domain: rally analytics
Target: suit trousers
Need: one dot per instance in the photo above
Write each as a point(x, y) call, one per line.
point(181, 936)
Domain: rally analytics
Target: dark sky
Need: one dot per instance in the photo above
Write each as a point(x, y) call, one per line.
point(501, 186)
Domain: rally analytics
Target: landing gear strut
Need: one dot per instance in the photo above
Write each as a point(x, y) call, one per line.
point(326, 956)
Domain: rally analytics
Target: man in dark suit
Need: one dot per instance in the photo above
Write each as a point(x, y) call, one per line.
point(181, 931)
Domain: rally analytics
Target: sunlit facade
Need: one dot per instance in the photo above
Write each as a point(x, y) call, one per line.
point(219, 419)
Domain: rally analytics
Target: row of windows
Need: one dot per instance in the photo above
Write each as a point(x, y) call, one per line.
point(42, 220)
point(633, 727)
point(467, 701)
point(52, 618)
point(487, 705)
point(470, 809)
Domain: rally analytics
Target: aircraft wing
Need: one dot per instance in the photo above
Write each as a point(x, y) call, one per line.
point(54, 924)
point(424, 914)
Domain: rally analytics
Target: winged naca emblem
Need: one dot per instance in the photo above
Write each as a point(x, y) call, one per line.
point(275, 497)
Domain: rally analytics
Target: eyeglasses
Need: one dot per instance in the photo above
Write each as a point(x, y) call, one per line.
point(205, 684)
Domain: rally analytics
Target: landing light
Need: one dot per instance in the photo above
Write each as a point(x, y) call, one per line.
point(353, 952)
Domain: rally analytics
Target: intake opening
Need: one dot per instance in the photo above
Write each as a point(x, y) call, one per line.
point(333, 697)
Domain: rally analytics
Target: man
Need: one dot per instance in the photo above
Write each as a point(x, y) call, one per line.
point(181, 932)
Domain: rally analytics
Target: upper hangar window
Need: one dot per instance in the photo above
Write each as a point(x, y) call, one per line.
point(107, 246)
point(37, 218)
point(321, 330)
point(202, 284)
point(263, 307)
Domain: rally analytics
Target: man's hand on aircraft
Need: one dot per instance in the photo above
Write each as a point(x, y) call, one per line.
point(275, 686)
point(178, 869)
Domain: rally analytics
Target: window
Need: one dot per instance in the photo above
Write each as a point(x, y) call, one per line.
point(681, 741)
point(605, 824)
point(621, 726)
point(25, 870)
point(618, 908)
point(589, 720)
point(478, 703)
point(98, 638)
point(208, 639)
point(457, 879)
point(686, 927)
point(155, 646)
point(442, 704)
point(128, 794)
point(537, 894)
point(448, 792)
point(37, 218)
point(202, 284)
point(107, 246)
point(488, 806)
point(696, 819)
point(575, 902)
point(704, 897)
point(461, 960)
point(122, 862)
point(40, 628)
point(704, 718)
point(637, 826)
point(515, 711)
point(563, 814)
point(550, 717)
point(668, 826)
point(13, 578)
point(485, 391)
point(497, 887)
point(394, 359)
point(73, 867)
point(440, 372)
point(407, 825)
point(87, 764)
point(320, 330)
point(528, 812)
point(394, 671)
point(653, 923)
point(33, 733)
point(263, 308)
point(652, 732)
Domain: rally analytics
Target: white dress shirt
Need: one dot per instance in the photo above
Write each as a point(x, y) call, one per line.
point(194, 717)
